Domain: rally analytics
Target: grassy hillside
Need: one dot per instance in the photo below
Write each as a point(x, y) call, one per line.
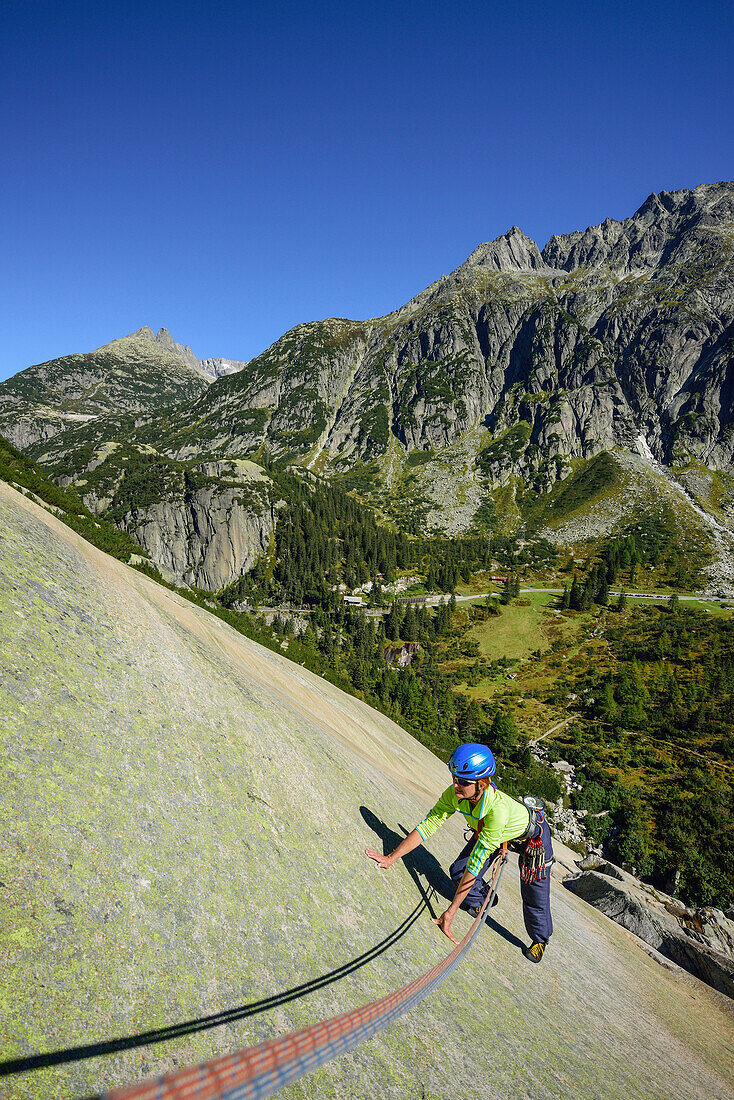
point(20, 472)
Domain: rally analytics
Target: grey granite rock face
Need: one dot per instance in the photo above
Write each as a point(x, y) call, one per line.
point(701, 941)
point(183, 818)
point(208, 540)
point(209, 368)
point(182, 351)
point(220, 368)
point(500, 378)
point(511, 252)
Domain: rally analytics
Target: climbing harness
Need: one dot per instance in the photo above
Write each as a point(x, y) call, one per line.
point(472, 834)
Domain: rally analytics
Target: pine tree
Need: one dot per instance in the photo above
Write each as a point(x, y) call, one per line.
point(503, 734)
point(608, 708)
point(394, 620)
point(587, 593)
point(470, 722)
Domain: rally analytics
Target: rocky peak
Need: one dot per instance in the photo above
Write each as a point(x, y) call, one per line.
point(647, 239)
point(183, 351)
point(513, 251)
point(589, 248)
point(211, 369)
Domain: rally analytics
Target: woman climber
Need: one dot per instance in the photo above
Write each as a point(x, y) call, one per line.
point(495, 819)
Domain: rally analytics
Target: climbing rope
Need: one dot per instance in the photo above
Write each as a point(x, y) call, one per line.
point(259, 1071)
point(204, 1023)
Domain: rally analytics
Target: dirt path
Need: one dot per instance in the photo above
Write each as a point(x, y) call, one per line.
point(558, 726)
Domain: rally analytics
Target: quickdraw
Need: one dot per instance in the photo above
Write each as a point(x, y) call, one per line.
point(532, 856)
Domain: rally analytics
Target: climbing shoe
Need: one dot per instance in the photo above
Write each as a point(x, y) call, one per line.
point(473, 910)
point(534, 953)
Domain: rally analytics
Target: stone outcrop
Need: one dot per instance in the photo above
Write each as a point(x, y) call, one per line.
point(699, 940)
point(219, 368)
point(208, 540)
point(209, 368)
point(182, 351)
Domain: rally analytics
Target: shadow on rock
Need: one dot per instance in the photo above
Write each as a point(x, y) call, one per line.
point(419, 862)
point(203, 1023)
point(504, 932)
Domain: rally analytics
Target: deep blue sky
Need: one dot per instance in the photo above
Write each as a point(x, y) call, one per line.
point(227, 170)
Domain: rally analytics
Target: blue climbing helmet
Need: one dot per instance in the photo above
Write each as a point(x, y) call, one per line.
point(472, 762)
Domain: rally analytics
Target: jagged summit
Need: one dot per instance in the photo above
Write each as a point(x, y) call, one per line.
point(164, 349)
point(164, 338)
point(131, 375)
point(210, 369)
point(513, 251)
point(649, 238)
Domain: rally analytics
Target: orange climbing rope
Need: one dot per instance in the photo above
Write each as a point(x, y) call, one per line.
point(259, 1071)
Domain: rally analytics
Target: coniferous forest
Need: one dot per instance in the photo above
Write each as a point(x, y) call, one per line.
point(654, 739)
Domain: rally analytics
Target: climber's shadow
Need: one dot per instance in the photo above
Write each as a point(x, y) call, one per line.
point(504, 932)
point(419, 862)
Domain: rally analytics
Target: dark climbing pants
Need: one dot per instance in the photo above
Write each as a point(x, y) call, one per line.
point(535, 896)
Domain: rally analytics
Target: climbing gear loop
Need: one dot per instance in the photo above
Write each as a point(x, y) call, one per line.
point(532, 852)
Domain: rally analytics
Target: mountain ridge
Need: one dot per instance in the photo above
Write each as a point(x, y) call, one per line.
point(135, 373)
point(488, 388)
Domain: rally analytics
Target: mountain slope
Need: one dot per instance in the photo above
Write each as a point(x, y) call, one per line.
point(623, 329)
point(512, 367)
point(482, 404)
point(183, 830)
point(132, 375)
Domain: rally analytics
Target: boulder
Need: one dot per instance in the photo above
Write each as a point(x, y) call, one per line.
point(701, 941)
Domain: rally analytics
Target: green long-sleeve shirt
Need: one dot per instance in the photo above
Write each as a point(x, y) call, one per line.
point(504, 819)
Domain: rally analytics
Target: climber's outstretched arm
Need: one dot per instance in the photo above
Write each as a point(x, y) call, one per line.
point(404, 848)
